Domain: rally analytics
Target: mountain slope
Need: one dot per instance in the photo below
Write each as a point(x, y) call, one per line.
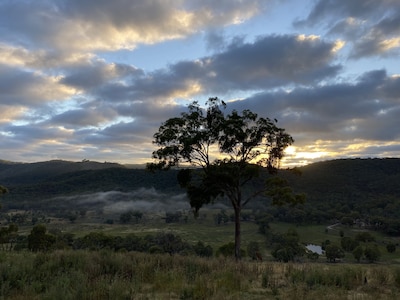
point(29, 173)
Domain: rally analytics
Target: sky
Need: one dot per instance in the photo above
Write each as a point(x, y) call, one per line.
point(94, 79)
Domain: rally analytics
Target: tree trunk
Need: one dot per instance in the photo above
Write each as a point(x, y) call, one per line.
point(237, 234)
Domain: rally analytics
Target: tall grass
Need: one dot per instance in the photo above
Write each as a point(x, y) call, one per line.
point(108, 275)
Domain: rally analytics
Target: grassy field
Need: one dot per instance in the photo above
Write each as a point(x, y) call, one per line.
point(104, 274)
point(204, 229)
point(67, 274)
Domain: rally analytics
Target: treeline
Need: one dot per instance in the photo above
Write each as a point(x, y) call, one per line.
point(40, 239)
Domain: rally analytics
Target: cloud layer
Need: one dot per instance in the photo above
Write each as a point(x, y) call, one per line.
point(67, 92)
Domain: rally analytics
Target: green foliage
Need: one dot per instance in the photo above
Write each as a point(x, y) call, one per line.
point(391, 247)
point(372, 253)
point(333, 252)
point(202, 250)
point(287, 247)
point(228, 250)
point(245, 143)
point(39, 240)
point(364, 237)
point(253, 250)
point(8, 236)
point(263, 221)
point(127, 217)
point(348, 244)
point(358, 253)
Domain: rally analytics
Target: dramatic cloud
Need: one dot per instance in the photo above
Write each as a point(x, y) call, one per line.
point(374, 27)
point(94, 78)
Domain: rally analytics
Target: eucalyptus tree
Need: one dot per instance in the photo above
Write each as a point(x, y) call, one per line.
point(219, 153)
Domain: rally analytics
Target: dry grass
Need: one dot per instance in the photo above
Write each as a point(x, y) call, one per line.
point(109, 275)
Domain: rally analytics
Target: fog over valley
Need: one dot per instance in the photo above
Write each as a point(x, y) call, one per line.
point(142, 199)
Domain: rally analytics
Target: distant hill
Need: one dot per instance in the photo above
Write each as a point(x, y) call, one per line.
point(32, 184)
point(13, 173)
point(349, 177)
point(367, 188)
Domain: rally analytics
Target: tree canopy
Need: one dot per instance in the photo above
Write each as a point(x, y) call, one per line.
point(229, 150)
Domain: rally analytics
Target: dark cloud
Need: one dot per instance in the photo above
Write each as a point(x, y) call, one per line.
point(25, 87)
point(359, 110)
point(371, 28)
point(84, 117)
point(67, 91)
point(272, 61)
point(269, 61)
point(331, 10)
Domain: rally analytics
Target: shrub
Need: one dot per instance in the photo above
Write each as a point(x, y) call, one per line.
point(228, 250)
point(333, 252)
point(358, 253)
point(348, 244)
point(372, 253)
point(391, 247)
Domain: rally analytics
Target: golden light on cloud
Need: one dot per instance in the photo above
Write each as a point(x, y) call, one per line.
point(303, 37)
point(389, 44)
point(192, 88)
point(339, 44)
point(11, 113)
point(291, 150)
point(299, 156)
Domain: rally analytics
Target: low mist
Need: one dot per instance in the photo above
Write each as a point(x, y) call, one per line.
point(143, 199)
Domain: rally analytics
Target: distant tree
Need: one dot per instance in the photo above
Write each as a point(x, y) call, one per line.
point(245, 143)
point(289, 247)
point(333, 252)
point(348, 221)
point(19, 218)
point(137, 215)
point(228, 250)
point(39, 240)
point(372, 253)
point(173, 217)
point(348, 244)
point(125, 217)
point(94, 241)
point(263, 221)
point(358, 253)
point(202, 250)
point(253, 250)
point(8, 236)
point(325, 244)
point(171, 243)
point(364, 237)
point(391, 247)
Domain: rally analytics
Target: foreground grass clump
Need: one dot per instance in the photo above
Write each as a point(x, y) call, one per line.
point(108, 275)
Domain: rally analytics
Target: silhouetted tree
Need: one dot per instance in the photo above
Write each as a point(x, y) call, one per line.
point(244, 143)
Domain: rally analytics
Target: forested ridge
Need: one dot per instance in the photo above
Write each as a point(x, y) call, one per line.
point(367, 189)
